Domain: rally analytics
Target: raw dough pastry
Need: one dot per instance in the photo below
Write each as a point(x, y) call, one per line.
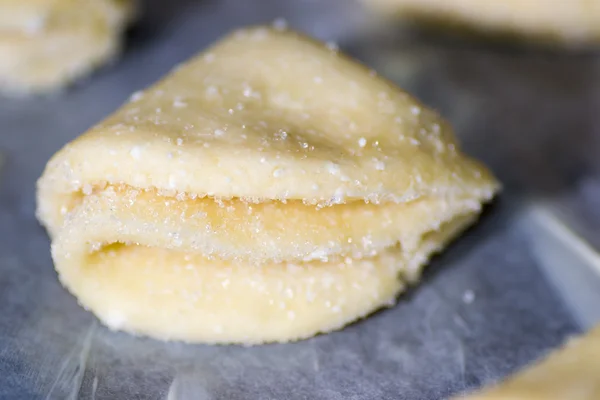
point(569, 373)
point(267, 190)
point(45, 44)
point(572, 21)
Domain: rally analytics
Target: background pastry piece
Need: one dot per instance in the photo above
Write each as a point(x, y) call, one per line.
point(34, 16)
point(568, 373)
point(266, 151)
point(571, 22)
point(43, 63)
point(44, 45)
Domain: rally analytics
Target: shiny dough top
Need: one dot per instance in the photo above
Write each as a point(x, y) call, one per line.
point(271, 114)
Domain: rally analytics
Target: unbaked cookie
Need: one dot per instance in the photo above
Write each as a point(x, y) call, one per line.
point(568, 373)
point(571, 22)
point(267, 190)
point(48, 44)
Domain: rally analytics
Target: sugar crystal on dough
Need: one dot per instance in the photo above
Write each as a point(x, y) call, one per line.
point(379, 165)
point(212, 90)
point(332, 168)
point(333, 46)
point(178, 103)
point(281, 134)
point(137, 96)
point(209, 58)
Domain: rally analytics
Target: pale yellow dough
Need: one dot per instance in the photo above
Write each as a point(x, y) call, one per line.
point(267, 190)
point(48, 44)
point(565, 21)
point(570, 373)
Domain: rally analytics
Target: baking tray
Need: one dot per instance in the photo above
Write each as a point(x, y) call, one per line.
point(484, 308)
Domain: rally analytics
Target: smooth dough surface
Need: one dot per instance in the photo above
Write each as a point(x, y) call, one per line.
point(242, 175)
point(571, 22)
point(571, 372)
point(46, 44)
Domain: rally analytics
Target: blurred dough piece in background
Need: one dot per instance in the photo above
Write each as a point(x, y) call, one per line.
point(569, 373)
point(574, 22)
point(46, 44)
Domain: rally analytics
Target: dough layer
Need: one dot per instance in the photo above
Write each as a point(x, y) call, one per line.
point(235, 202)
point(273, 115)
point(183, 295)
point(259, 232)
point(569, 22)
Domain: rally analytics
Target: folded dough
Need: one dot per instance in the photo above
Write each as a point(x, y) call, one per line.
point(568, 373)
point(267, 190)
point(49, 43)
point(569, 22)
